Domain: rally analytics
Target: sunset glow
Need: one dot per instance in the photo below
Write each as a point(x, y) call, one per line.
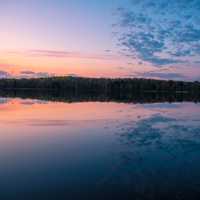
point(56, 38)
point(99, 99)
point(92, 39)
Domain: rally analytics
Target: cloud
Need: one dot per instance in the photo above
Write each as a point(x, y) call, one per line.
point(161, 32)
point(32, 74)
point(49, 122)
point(4, 74)
point(168, 75)
point(162, 73)
point(27, 72)
point(24, 74)
point(107, 55)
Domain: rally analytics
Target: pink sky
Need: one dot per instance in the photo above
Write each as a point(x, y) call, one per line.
point(45, 38)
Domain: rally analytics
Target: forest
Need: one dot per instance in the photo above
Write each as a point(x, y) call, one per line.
point(75, 89)
point(101, 85)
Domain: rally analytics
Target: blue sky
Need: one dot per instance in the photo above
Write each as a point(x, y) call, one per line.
point(117, 38)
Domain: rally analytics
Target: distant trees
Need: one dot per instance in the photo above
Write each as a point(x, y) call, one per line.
point(101, 85)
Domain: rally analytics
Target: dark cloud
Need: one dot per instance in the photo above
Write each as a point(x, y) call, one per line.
point(161, 32)
point(31, 74)
point(161, 75)
point(108, 50)
point(27, 72)
point(168, 75)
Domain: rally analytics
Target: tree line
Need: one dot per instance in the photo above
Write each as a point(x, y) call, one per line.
point(101, 85)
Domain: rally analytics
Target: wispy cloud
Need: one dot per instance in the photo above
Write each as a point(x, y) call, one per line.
point(161, 32)
point(25, 74)
point(66, 54)
point(159, 75)
point(167, 73)
point(32, 74)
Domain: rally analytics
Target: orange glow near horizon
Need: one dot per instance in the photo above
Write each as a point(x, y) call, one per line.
point(86, 65)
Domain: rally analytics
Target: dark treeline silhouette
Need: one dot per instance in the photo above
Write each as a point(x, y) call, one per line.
point(101, 85)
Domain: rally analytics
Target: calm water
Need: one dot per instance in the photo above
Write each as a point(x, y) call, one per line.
point(94, 150)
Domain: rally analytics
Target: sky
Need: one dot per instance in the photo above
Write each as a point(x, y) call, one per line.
point(108, 38)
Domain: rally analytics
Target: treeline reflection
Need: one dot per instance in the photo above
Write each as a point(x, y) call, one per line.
point(70, 97)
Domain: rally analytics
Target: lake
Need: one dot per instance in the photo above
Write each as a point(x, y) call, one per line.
point(99, 150)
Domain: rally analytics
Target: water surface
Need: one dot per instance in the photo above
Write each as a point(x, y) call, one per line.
point(99, 150)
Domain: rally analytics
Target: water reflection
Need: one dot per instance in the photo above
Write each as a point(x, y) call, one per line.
point(99, 150)
point(162, 153)
point(67, 96)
